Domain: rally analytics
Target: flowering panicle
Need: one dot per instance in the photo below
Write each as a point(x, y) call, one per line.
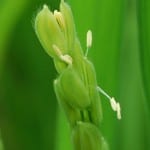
point(76, 86)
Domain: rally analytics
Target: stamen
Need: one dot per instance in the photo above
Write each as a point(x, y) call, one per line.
point(89, 38)
point(59, 17)
point(66, 58)
point(88, 41)
point(114, 105)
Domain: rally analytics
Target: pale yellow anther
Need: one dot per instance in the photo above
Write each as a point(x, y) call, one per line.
point(89, 39)
point(116, 107)
point(118, 111)
point(65, 58)
point(113, 104)
point(60, 19)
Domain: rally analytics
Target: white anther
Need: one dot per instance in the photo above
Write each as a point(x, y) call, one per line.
point(118, 111)
point(65, 58)
point(88, 41)
point(114, 105)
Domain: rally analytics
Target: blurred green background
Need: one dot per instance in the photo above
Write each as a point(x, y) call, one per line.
point(30, 118)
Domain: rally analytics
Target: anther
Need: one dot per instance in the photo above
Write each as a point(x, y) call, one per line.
point(59, 17)
point(88, 41)
point(114, 105)
point(66, 58)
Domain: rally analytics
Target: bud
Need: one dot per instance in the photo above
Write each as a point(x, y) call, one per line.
point(73, 88)
point(57, 30)
point(49, 32)
point(73, 114)
point(86, 136)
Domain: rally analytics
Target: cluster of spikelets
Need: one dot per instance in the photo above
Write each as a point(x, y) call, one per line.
point(76, 86)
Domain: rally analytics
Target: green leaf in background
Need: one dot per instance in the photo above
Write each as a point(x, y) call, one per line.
point(144, 39)
point(133, 125)
point(27, 101)
point(143, 11)
point(9, 16)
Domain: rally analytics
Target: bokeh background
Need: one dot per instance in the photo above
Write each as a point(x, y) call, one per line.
point(30, 118)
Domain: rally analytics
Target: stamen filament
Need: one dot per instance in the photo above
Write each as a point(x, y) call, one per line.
point(114, 105)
